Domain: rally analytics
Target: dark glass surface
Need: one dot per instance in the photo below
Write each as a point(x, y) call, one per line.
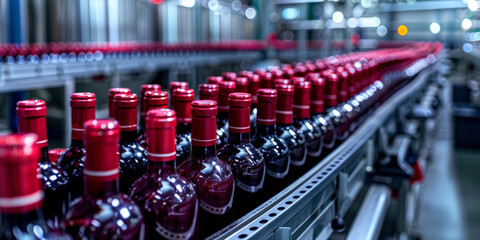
point(28, 225)
point(340, 123)
point(72, 162)
point(168, 201)
point(184, 135)
point(253, 120)
point(312, 133)
point(295, 141)
point(103, 213)
point(274, 151)
point(222, 129)
point(328, 130)
point(142, 140)
point(55, 185)
point(133, 160)
point(215, 186)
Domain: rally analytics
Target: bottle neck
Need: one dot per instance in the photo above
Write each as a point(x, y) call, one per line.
point(204, 151)
point(222, 115)
point(235, 138)
point(77, 143)
point(264, 130)
point(44, 158)
point(142, 123)
point(183, 128)
point(128, 137)
point(21, 220)
point(167, 167)
point(98, 189)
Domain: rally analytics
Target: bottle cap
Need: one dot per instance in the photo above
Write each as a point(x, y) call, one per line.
point(126, 111)
point(204, 125)
point(183, 100)
point(214, 79)
point(111, 93)
point(317, 95)
point(229, 76)
point(285, 94)
point(301, 104)
point(242, 84)
point(267, 106)
point(239, 112)
point(145, 88)
point(253, 86)
point(331, 89)
point(32, 118)
point(266, 80)
point(155, 99)
point(160, 129)
point(226, 87)
point(83, 109)
point(209, 91)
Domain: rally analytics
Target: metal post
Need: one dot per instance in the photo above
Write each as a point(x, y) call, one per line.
point(68, 90)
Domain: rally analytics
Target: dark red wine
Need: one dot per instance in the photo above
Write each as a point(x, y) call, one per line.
point(153, 100)
point(175, 85)
point(168, 200)
point(111, 94)
point(274, 149)
point(72, 161)
point(317, 111)
point(183, 105)
point(226, 87)
point(285, 129)
point(247, 162)
point(32, 119)
point(143, 108)
point(21, 192)
point(103, 212)
point(133, 157)
point(212, 177)
point(301, 118)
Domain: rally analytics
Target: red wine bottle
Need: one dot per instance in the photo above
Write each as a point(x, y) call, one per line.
point(175, 85)
point(214, 79)
point(102, 212)
point(285, 129)
point(229, 76)
point(331, 101)
point(21, 193)
point(168, 200)
point(55, 154)
point(183, 105)
point(153, 100)
point(274, 149)
point(247, 162)
point(212, 177)
point(226, 87)
point(253, 86)
point(301, 118)
point(133, 157)
point(143, 108)
point(111, 94)
point(343, 78)
point(72, 161)
point(32, 118)
point(317, 110)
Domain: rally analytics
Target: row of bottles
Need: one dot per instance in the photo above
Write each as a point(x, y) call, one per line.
point(164, 178)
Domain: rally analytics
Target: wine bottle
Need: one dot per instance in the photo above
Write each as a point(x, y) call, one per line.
point(168, 200)
point(153, 100)
point(21, 191)
point(226, 87)
point(274, 149)
point(111, 94)
point(73, 160)
point(55, 154)
point(317, 109)
point(183, 105)
point(102, 212)
point(143, 108)
point(212, 178)
point(208, 91)
point(175, 85)
point(32, 118)
point(214, 79)
point(266, 80)
point(241, 84)
point(247, 162)
point(133, 157)
point(331, 101)
point(301, 118)
point(229, 76)
point(285, 129)
point(253, 86)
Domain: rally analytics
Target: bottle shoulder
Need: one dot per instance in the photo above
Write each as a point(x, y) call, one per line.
point(158, 189)
point(211, 169)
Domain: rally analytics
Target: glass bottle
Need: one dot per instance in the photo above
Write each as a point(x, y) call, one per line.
point(183, 105)
point(226, 87)
point(318, 112)
point(102, 212)
point(152, 100)
point(253, 86)
point(168, 200)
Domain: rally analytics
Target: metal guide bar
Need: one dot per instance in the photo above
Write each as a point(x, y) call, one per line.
point(311, 192)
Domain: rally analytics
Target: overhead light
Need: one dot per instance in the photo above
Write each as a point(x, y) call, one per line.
point(466, 24)
point(472, 5)
point(250, 13)
point(213, 5)
point(382, 31)
point(186, 3)
point(366, 3)
point(402, 30)
point(467, 47)
point(289, 13)
point(435, 28)
point(352, 22)
point(337, 17)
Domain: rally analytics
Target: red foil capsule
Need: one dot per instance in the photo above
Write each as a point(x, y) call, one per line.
point(145, 88)
point(32, 118)
point(183, 100)
point(214, 79)
point(101, 139)
point(351, 88)
point(209, 91)
point(239, 112)
point(155, 99)
point(331, 89)
point(285, 94)
point(83, 109)
point(301, 103)
point(226, 87)
point(160, 125)
point(204, 124)
point(342, 84)
point(20, 189)
point(317, 95)
point(242, 84)
point(111, 94)
point(175, 85)
point(126, 111)
point(281, 81)
point(266, 80)
point(253, 86)
point(229, 76)
point(267, 106)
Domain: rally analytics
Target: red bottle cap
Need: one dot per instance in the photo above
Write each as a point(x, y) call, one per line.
point(111, 94)
point(317, 95)
point(55, 154)
point(229, 76)
point(331, 89)
point(247, 74)
point(204, 124)
point(155, 99)
point(214, 79)
point(20, 189)
point(101, 145)
point(267, 106)
point(281, 81)
point(242, 84)
point(208, 91)
point(352, 89)
point(285, 94)
point(32, 118)
point(301, 103)
point(175, 85)
point(253, 86)
point(226, 87)
point(239, 113)
point(342, 84)
point(145, 88)
point(83, 109)
point(160, 129)
point(183, 104)
point(126, 111)
point(266, 80)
